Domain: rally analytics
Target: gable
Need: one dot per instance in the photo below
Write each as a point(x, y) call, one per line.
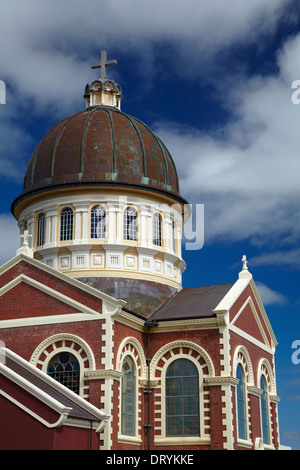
point(33, 293)
point(64, 285)
point(245, 313)
point(24, 301)
point(248, 320)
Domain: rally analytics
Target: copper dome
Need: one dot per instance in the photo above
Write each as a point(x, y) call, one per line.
point(100, 146)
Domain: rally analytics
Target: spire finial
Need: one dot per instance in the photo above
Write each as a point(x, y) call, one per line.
point(245, 262)
point(25, 249)
point(103, 64)
point(103, 91)
point(25, 235)
point(245, 274)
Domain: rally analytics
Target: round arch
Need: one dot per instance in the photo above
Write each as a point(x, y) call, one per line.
point(242, 356)
point(55, 343)
point(133, 347)
point(182, 345)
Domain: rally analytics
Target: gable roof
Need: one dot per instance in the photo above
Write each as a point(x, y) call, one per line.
point(192, 302)
point(62, 277)
point(47, 390)
point(60, 296)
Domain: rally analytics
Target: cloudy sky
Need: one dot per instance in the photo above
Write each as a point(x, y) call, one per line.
point(214, 80)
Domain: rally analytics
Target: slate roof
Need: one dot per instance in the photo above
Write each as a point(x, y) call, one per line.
point(191, 303)
point(80, 408)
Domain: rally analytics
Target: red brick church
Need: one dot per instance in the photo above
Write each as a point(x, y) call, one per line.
point(102, 347)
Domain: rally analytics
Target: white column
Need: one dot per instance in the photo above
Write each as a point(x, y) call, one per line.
point(85, 225)
point(111, 223)
point(49, 217)
point(119, 227)
point(53, 229)
point(31, 230)
point(150, 229)
point(143, 228)
point(166, 232)
point(80, 221)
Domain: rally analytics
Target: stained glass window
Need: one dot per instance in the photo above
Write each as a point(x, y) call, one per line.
point(182, 399)
point(128, 417)
point(64, 368)
point(264, 404)
point(241, 403)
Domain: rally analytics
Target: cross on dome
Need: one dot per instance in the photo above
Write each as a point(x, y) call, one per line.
point(103, 64)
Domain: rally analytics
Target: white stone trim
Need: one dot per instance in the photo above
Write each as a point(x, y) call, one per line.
point(130, 346)
point(194, 353)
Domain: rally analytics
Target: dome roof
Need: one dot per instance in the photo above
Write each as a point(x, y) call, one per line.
point(100, 146)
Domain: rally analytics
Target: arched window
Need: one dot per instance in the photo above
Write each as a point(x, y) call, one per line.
point(130, 224)
point(241, 403)
point(66, 224)
point(173, 237)
point(182, 399)
point(98, 222)
point(41, 230)
point(128, 399)
point(264, 405)
point(64, 368)
point(157, 229)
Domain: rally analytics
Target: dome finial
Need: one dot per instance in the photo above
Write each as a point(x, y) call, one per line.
point(103, 91)
point(103, 64)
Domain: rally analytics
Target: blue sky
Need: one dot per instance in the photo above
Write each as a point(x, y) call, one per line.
point(213, 79)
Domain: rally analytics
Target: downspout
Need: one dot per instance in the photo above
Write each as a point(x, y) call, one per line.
point(148, 391)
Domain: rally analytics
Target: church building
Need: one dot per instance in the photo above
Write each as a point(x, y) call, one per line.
point(102, 346)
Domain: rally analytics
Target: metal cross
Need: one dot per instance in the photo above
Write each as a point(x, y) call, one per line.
point(244, 259)
point(103, 64)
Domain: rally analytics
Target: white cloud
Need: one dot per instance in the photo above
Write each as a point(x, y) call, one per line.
point(9, 238)
point(249, 177)
point(50, 43)
point(269, 296)
point(290, 259)
point(51, 47)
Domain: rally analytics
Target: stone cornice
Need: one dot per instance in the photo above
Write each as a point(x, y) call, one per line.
point(213, 381)
point(103, 374)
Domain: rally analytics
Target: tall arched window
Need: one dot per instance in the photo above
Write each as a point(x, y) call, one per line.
point(128, 399)
point(241, 403)
point(66, 224)
point(264, 405)
point(41, 230)
point(64, 368)
point(173, 237)
point(182, 399)
point(98, 222)
point(130, 224)
point(157, 229)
